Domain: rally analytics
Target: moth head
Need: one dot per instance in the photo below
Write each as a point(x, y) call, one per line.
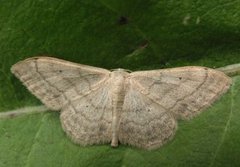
point(121, 70)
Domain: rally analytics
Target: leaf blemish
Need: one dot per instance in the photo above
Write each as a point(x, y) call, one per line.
point(186, 19)
point(122, 20)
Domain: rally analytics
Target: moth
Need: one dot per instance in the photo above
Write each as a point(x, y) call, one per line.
point(139, 108)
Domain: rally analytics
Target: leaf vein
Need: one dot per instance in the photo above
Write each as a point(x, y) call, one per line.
point(225, 129)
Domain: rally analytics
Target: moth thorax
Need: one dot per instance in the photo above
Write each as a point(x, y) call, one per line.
point(118, 80)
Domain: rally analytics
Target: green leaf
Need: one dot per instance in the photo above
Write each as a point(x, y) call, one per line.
point(147, 34)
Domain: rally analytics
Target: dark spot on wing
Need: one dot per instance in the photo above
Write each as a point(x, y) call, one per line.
point(102, 128)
